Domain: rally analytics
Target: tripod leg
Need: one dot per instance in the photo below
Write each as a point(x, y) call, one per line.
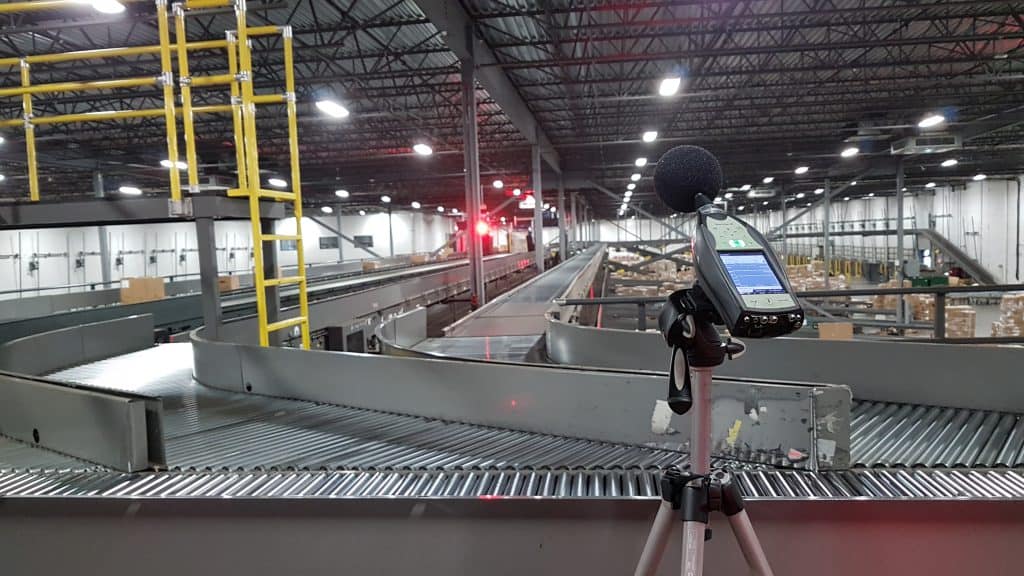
point(693, 548)
point(657, 539)
point(749, 544)
point(746, 537)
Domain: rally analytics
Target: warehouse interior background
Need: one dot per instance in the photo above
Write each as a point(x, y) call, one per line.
point(369, 255)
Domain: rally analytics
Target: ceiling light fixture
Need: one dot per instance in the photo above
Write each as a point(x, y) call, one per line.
point(385, 199)
point(326, 209)
point(871, 195)
point(801, 170)
point(341, 193)
point(949, 162)
point(850, 152)
point(670, 85)
point(745, 187)
point(440, 208)
point(740, 208)
point(422, 149)
point(931, 120)
point(930, 185)
point(765, 203)
point(129, 190)
point(455, 211)
point(631, 186)
point(846, 198)
point(635, 176)
point(167, 164)
point(819, 191)
point(416, 205)
point(640, 162)
point(650, 136)
point(277, 182)
point(979, 177)
point(853, 183)
point(362, 212)
point(517, 192)
point(498, 184)
point(728, 195)
point(107, 6)
point(768, 179)
point(800, 195)
point(332, 108)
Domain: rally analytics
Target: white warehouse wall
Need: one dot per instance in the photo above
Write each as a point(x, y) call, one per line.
point(981, 218)
point(177, 254)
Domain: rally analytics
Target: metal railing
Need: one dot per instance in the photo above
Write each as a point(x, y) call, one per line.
point(937, 325)
point(818, 226)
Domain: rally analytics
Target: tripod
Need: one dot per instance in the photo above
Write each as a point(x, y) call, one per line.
point(687, 322)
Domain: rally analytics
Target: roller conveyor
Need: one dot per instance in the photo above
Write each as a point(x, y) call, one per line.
point(225, 444)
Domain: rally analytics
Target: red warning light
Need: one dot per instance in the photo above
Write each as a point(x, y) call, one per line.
point(482, 228)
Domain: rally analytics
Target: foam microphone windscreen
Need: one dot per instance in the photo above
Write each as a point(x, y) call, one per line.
point(682, 173)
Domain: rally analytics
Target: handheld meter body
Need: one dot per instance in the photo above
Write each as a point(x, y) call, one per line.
point(743, 277)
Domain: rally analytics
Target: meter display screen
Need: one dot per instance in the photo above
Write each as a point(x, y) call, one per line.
point(751, 273)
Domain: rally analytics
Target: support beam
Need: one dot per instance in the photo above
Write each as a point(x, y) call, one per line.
point(563, 233)
point(538, 210)
point(474, 193)
point(391, 234)
point(337, 218)
point(828, 195)
point(682, 235)
point(826, 248)
point(210, 292)
point(337, 232)
point(452, 20)
point(670, 255)
point(900, 265)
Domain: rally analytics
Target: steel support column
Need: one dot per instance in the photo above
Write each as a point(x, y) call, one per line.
point(337, 219)
point(785, 252)
point(826, 249)
point(538, 210)
point(899, 240)
point(391, 234)
point(474, 192)
point(563, 231)
point(101, 231)
point(210, 291)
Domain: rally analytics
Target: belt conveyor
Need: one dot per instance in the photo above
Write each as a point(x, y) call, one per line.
point(225, 444)
point(183, 312)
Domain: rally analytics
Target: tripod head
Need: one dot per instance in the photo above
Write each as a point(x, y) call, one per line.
point(687, 322)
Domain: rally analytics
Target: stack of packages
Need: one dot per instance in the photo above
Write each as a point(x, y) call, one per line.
point(960, 321)
point(808, 277)
point(1011, 316)
point(923, 307)
point(889, 301)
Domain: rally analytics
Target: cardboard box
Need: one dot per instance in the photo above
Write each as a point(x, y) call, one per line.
point(142, 289)
point(835, 331)
point(370, 265)
point(417, 259)
point(228, 283)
